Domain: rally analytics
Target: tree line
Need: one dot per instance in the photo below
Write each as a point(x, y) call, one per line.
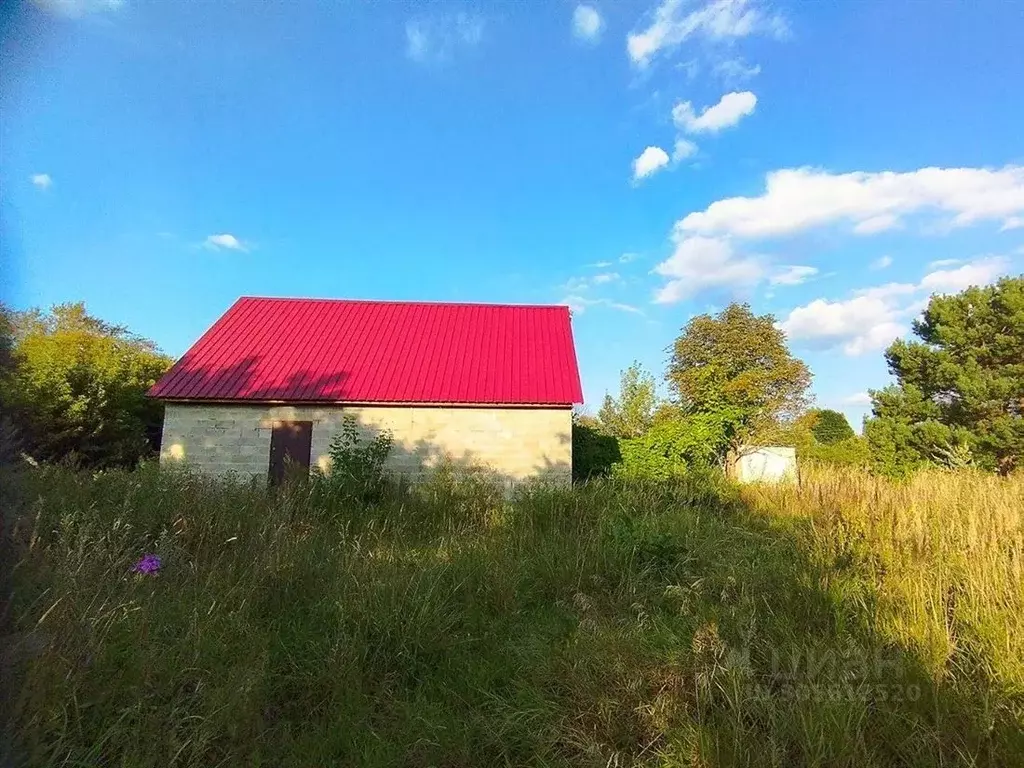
point(957, 399)
point(72, 387)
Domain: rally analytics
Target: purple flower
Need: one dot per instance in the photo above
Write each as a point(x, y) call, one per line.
point(148, 564)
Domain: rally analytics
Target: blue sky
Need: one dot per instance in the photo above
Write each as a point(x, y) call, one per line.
point(831, 163)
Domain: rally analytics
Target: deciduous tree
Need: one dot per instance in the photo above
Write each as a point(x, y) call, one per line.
point(739, 361)
point(632, 413)
point(76, 385)
point(830, 426)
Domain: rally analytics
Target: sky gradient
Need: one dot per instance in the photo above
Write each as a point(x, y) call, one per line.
point(831, 163)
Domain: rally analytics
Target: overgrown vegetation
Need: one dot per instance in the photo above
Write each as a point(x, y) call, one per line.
point(72, 387)
point(653, 615)
point(849, 621)
point(357, 464)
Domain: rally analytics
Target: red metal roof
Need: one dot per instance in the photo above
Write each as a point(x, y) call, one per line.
point(381, 352)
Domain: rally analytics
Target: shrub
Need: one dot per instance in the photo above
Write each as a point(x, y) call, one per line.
point(674, 446)
point(593, 452)
point(851, 452)
point(357, 465)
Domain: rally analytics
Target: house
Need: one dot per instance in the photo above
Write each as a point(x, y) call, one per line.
point(481, 385)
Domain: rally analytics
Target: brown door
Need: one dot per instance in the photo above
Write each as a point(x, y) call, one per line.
point(289, 449)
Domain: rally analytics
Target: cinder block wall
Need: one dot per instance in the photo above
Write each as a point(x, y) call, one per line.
point(515, 443)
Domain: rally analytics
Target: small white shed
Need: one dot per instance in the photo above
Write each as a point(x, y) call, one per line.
point(766, 464)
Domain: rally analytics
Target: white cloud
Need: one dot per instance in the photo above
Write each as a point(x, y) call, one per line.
point(873, 317)
point(437, 39)
point(74, 9)
point(682, 150)
point(41, 180)
point(980, 272)
point(605, 277)
point(939, 263)
point(860, 399)
point(799, 199)
point(715, 20)
point(650, 160)
point(734, 71)
point(793, 275)
point(859, 325)
point(587, 23)
point(628, 257)
point(882, 262)
point(225, 241)
point(729, 110)
point(601, 264)
point(579, 304)
point(1014, 222)
point(698, 263)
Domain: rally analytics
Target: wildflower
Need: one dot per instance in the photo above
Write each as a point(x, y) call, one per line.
point(147, 564)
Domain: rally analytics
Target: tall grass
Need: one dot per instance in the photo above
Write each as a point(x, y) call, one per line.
point(849, 621)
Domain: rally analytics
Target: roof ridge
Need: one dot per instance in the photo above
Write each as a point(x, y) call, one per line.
point(407, 302)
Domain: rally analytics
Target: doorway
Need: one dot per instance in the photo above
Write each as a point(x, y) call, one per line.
point(290, 443)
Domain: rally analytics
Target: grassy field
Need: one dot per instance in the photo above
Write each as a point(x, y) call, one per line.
point(847, 622)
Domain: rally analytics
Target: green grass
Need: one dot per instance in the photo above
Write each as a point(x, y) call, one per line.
point(848, 622)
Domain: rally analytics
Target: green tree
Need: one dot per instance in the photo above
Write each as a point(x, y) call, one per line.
point(675, 445)
point(77, 386)
point(738, 362)
point(830, 426)
point(959, 389)
point(632, 413)
point(593, 452)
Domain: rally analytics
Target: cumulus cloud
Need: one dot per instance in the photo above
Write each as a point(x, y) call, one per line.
point(225, 241)
point(939, 263)
point(859, 325)
point(873, 317)
point(41, 180)
point(673, 22)
point(74, 9)
point(729, 110)
point(980, 272)
point(882, 262)
point(793, 275)
point(587, 23)
point(628, 257)
point(437, 39)
point(650, 161)
point(605, 277)
point(698, 263)
point(796, 200)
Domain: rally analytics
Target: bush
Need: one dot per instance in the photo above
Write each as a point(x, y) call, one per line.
point(593, 452)
point(358, 467)
point(674, 446)
point(851, 452)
